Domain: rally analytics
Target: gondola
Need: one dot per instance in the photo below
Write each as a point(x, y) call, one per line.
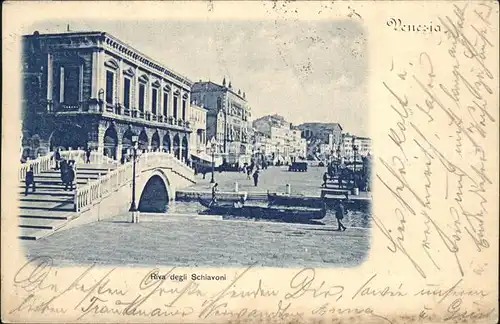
point(298, 201)
point(285, 214)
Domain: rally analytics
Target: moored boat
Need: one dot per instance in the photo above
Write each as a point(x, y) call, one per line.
point(286, 214)
point(298, 201)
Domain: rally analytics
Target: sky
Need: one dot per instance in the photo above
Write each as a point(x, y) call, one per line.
point(306, 71)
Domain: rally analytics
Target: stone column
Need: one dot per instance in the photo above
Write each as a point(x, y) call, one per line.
point(61, 84)
point(101, 71)
point(95, 63)
point(159, 102)
point(136, 89)
point(148, 94)
point(80, 84)
point(50, 76)
point(160, 141)
point(119, 83)
point(100, 138)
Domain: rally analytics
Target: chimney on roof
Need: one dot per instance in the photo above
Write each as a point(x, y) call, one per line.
point(244, 95)
point(67, 27)
point(239, 92)
point(224, 82)
point(230, 86)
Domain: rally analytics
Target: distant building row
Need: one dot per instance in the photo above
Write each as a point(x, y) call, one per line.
point(278, 140)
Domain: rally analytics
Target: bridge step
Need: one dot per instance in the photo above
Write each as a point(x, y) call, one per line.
point(47, 192)
point(46, 214)
point(38, 199)
point(41, 223)
point(55, 208)
point(49, 187)
point(44, 204)
point(30, 233)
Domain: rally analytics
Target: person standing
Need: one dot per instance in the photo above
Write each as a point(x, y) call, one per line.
point(325, 178)
point(339, 214)
point(70, 176)
point(215, 188)
point(57, 158)
point(29, 181)
point(256, 178)
point(87, 155)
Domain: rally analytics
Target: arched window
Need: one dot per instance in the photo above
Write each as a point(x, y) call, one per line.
point(219, 103)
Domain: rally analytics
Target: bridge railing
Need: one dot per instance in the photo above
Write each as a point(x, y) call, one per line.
point(47, 162)
point(91, 193)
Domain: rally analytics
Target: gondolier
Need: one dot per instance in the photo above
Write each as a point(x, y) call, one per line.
point(214, 193)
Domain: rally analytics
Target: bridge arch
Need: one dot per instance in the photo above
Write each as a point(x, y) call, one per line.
point(155, 191)
point(143, 141)
point(166, 143)
point(110, 142)
point(177, 146)
point(155, 142)
point(127, 140)
point(185, 149)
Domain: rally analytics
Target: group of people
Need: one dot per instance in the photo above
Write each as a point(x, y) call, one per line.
point(66, 167)
point(248, 169)
point(359, 178)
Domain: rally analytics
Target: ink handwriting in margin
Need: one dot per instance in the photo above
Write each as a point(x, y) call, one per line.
point(466, 221)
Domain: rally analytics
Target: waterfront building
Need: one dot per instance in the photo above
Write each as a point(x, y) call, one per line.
point(228, 119)
point(90, 89)
point(346, 147)
point(198, 138)
point(298, 145)
point(321, 138)
point(364, 145)
point(349, 141)
point(283, 140)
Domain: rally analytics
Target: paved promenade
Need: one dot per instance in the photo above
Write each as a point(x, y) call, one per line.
point(273, 179)
point(188, 241)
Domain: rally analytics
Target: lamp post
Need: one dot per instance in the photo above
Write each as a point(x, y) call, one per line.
point(213, 146)
point(133, 206)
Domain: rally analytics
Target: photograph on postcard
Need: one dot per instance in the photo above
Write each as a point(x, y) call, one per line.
point(250, 162)
point(265, 157)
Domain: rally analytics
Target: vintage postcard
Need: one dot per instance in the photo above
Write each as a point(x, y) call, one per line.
point(250, 162)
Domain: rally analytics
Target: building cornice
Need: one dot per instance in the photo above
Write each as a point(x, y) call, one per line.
point(103, 39)
point(220, 88)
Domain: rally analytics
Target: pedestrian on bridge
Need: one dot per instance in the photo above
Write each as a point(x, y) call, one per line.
point(325, 179)
point(29, 181)
point(87, 155)
point(57, 158)
point(256, 178)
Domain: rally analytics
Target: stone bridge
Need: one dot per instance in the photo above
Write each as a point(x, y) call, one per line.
point(103, 190)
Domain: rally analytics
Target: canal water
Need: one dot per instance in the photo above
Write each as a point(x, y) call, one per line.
point(352, 219)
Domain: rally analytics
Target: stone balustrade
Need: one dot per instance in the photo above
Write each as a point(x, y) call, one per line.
point(40, 164)
point(91, 193)
point(47, 162)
